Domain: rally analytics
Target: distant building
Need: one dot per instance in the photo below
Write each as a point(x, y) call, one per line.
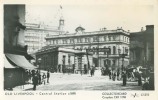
point(57, 59)
point(142, 47)
point(116, 40)
point(35, 35)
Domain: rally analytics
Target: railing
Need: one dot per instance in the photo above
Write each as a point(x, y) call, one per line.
point(90, 33)
point(82, 43)
point(111, 55)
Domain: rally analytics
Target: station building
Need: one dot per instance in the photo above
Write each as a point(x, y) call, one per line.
point(57, 59)
point(117, 41)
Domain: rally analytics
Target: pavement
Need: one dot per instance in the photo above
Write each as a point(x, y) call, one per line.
point(60, 81)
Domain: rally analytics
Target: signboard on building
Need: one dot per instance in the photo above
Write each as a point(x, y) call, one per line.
point(99, 50)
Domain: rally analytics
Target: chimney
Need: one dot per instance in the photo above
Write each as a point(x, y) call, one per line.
point(142, 29)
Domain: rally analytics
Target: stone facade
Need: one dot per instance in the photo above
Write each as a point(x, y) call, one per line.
point(58, 59)
point(35, 35)
point(81, 40)
point(142, 47)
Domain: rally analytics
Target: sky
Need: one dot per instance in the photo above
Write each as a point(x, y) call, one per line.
point(93, 17)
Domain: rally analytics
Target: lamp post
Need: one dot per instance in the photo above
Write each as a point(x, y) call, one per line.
point(108, 52)
point(69, 64)
point(119, 51)
point(123, 55)
point(39, 63)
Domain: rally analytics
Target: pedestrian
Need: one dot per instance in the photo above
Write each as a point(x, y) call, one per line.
point(139, 79)
point(102, 71)
point(33, 73)
point(39, 78)
point(118, 74)
point(29, 76)
point(73, 68)
point(48, 76)
point(35, 81)
point(85, 69)
point(109, 72)
point(124, 78)
point(59, 68)
point(145, 85)
point(114, 76)
point(63, 69)
point(44, 78)
point(92, 71)
point(151, 81)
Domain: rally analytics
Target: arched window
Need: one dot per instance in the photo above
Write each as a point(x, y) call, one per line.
point(114, 50)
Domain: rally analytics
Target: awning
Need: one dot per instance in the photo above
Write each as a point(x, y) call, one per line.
point(20, 61)
point(29, 57)
point(7, 64)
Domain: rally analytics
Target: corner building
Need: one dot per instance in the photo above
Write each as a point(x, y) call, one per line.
point(116, 40)
point(142, 47)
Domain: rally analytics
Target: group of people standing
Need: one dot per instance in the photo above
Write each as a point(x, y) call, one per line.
point(144, 79)
point(123, 75)
point(114, 74)
point(38, 79)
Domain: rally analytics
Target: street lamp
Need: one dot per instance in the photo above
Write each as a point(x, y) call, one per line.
point(69, 64)
point(39, 63)
point(119, 51)
point(123, 55)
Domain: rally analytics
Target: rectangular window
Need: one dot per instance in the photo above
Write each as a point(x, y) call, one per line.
point(109, 38)
point(114, 37)
point(66, 41)
point(81, 40)
point(56, 41)
point(70, 41)
point(114, 62)
point(63, 41)
point(78, 40)
point(104, 38)
point(88, 39)
point(95, 39)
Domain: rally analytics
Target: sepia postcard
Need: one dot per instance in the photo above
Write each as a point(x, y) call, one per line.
point(72, 50)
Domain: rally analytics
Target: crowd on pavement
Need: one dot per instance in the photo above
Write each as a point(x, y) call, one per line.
point(38, 78)
point(144, 78)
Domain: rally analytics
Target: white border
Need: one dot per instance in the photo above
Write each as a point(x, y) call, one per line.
point(81, 95)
